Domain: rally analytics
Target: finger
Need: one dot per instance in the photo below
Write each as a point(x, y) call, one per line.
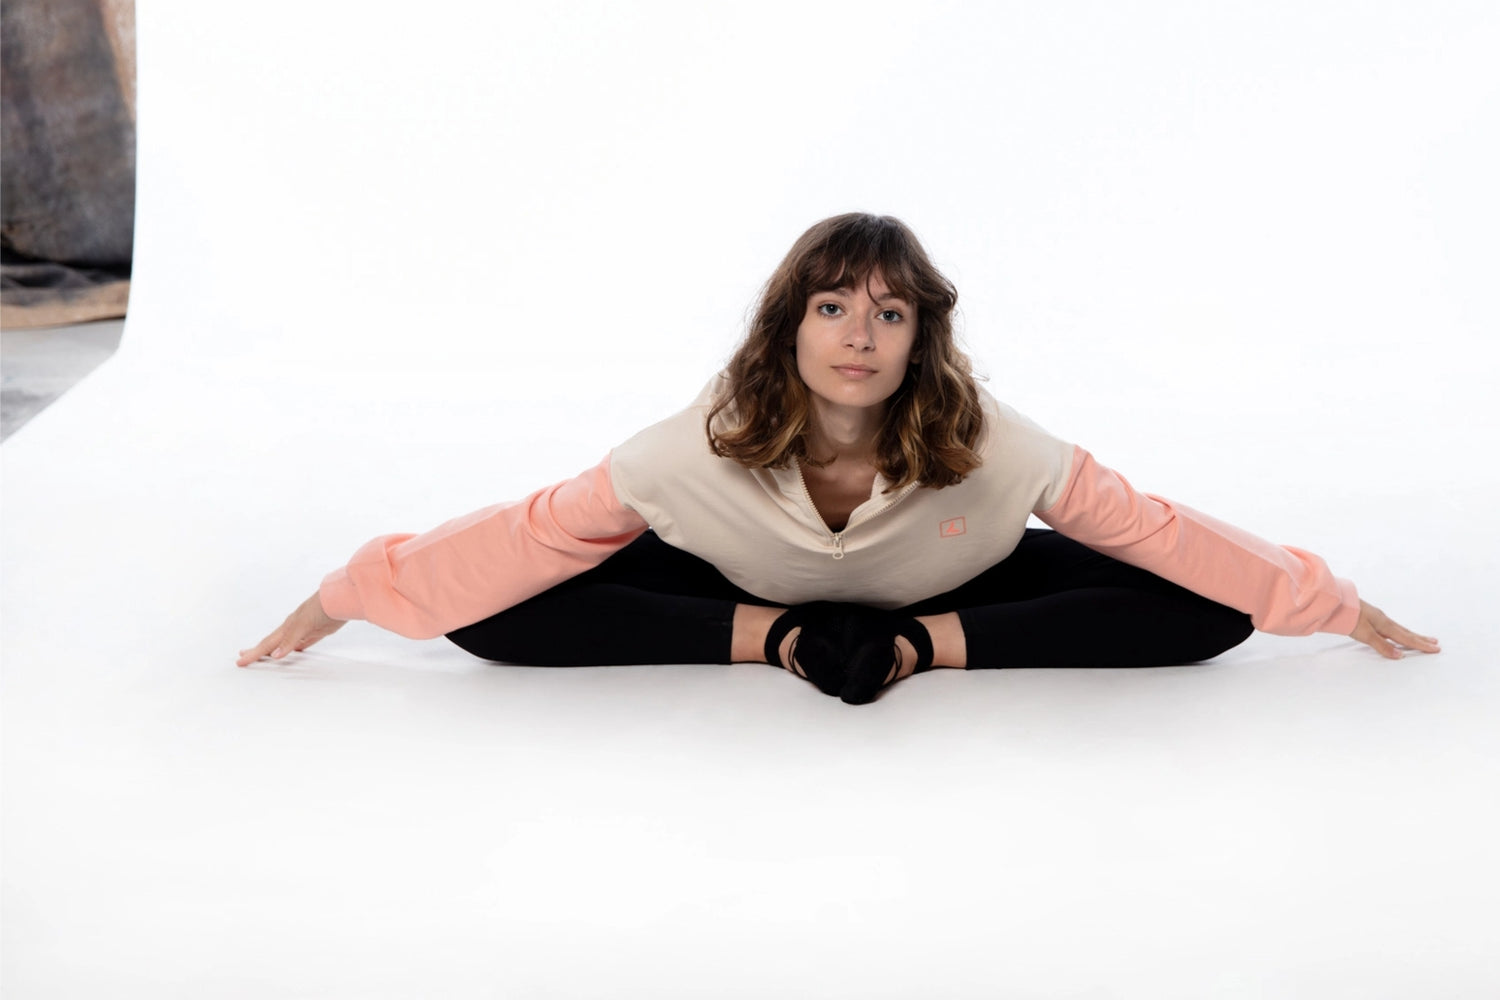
point(1367, 634)
point(261, 649)
point(1410, 639)
point(251, 655)
point(280, 642)
point(290, 635)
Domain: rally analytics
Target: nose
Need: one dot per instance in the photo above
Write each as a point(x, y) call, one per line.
point(860, 334)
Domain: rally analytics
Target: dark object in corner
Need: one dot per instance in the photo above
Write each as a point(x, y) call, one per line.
point(68, 184)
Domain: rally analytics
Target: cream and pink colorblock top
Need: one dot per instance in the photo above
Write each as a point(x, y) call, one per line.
point(760, 529)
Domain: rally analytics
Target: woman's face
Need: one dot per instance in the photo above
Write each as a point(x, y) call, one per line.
point(853, 344)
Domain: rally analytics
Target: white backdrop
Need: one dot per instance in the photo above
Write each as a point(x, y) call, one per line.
point(395, 263)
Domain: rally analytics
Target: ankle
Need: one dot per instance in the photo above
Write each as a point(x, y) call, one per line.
point(906, 663)
point(752, 622)
point(949, 648)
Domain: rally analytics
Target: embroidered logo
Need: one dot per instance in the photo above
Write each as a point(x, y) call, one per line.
point(952, 527)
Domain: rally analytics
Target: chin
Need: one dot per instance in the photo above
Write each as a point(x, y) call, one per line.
point(861, 396)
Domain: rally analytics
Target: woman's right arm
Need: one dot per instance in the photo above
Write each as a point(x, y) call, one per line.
point(463, 571)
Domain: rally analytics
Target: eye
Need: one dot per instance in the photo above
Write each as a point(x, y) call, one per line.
point(829, 309)
point(891, 316)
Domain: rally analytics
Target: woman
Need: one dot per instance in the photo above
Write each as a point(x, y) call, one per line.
point(843, 501)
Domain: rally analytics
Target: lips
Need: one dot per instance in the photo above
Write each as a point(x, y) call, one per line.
point(854, 369)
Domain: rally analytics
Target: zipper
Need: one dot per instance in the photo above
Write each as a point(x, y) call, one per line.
point(883, 507)
point(837, 537)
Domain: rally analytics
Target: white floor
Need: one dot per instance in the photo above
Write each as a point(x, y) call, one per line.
point(365, 301)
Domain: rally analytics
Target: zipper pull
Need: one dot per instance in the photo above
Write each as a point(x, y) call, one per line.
point(838, 545)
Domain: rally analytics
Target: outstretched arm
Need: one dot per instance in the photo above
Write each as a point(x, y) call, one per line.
point(422, 586)
point(1285, 590)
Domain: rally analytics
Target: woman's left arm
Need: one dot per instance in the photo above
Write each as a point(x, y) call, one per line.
point(1285, 590)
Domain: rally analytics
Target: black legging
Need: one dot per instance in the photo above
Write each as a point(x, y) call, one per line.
point(1050, 603)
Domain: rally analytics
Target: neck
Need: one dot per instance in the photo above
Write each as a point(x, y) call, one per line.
point(840, 433)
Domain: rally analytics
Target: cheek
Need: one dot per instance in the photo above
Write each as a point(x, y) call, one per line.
point(906, 354)
point(900, 369)
point(800, 354)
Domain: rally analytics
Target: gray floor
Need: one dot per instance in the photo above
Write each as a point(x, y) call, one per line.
point(38, 366)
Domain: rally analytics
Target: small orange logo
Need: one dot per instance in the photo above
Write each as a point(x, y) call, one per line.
point(950, 528)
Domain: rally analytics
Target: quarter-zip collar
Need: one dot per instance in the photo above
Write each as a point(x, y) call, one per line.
point(793, 486)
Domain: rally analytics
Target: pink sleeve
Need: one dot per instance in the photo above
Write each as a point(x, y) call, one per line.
point(1284, 590)
point(423, 586)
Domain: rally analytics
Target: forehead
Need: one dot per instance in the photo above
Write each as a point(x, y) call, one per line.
point(872, 283)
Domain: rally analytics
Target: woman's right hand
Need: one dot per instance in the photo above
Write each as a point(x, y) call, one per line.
point(302, 628)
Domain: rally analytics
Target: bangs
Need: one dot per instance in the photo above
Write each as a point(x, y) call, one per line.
point(852, 257)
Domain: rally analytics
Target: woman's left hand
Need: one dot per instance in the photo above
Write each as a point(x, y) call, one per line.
point(1376, 630)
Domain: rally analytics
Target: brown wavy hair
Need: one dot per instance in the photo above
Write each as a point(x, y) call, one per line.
point(932, 421)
